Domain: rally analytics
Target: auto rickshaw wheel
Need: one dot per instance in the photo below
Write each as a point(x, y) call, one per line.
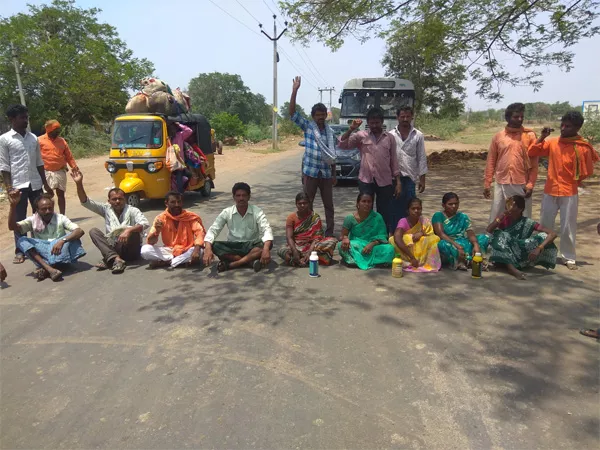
point(207, 188)
point(133, 199)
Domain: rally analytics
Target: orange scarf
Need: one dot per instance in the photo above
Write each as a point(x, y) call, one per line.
point(524, 143)
point(584, 165)
point(184, 234)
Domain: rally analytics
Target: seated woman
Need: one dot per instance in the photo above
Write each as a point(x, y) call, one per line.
point(458, 241)
point(304, 234)
point(515, 244)
point(415, 242)
point(364, 237)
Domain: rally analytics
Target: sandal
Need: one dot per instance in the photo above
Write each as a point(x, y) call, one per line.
point(222, 266)
point(590, 333)
point(101, 266)
point(257, 266)
point(19, 258)
point(40, 274)
point(119, 267)
point(571, 265)
point(56, 275)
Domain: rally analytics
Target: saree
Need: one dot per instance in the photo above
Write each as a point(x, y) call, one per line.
point(513, 244)
point(306, 232)
point(360, 234)
point(425, 250)
point(456, 227)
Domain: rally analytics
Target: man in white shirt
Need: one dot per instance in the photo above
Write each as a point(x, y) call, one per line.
point(22, 166)
point(250, 236)
point(410, 146)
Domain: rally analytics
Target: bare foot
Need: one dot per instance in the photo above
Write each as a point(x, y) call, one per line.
point(515, 272)
point(55, 275)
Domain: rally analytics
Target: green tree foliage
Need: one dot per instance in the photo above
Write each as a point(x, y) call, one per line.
point(228, 125)
point(591, 130)
point(335, 114)
point(213, 93)
point(428, 62)
point(285, 125)
point(73, 67)
point(537, 33)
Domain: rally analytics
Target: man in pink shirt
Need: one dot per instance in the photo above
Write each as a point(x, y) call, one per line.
point(509, 164)
point(379, 162)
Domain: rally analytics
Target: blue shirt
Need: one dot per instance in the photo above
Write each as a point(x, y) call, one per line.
point(314, 164)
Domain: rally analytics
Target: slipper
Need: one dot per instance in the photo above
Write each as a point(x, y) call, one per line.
point(119, 267)
point(257, 266)
point(19, 258)
point(56, 276)
point(571, 265)
point(222, 266)
point(40, 274)
point(101, 266)
point(589, 333)
point(461, 266)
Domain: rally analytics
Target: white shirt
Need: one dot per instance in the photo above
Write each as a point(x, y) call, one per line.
point(411, 153)
point(253, 226)
point(21, 157)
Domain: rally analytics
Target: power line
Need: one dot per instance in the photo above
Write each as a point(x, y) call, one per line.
point(246, 9)
point(316, 69)
point(236, 19)
point(291, 61)
point(267, 5)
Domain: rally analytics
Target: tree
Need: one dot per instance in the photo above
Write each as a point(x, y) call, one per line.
point(428, 62)
point(73, 67)
point(212, 93)
point(335, 114)
point(227, 125)
point(285, 124)
point(537, 33)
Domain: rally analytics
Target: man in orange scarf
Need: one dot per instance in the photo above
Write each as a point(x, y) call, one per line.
point(570, 161)
point(509, 165)
point(56, 154)
point(182, 235)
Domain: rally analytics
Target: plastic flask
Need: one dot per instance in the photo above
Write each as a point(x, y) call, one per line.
point(397, 267)
point(476, 265)
point(313, 265)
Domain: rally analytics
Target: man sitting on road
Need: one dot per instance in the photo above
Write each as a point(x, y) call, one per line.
point(55, 241)
point(250, 238)
point(182, 235)
point(124, 227)
point(56, 155)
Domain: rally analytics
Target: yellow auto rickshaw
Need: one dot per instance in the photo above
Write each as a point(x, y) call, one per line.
point(137, 160)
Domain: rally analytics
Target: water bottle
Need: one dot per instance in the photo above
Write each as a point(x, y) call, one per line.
point(313, 265)
point(397, 267)
point(476, 265)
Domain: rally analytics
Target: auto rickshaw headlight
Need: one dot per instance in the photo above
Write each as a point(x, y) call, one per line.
point(155, 166)
point(110, 167)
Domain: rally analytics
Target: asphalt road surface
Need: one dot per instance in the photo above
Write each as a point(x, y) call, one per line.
point(187, 358)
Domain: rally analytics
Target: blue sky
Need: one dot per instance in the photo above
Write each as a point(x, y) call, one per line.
point(184, 38)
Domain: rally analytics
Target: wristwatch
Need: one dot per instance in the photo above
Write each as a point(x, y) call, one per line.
point(64, 239)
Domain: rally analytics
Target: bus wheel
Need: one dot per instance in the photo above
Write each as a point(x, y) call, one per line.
point(133, 199)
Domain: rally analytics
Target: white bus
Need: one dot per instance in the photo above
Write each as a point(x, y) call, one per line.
point(361, 94)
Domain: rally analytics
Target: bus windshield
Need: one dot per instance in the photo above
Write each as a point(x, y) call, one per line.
point(357, 103)
point(137, 134)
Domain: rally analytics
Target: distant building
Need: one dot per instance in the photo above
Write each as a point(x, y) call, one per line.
point(590, 109)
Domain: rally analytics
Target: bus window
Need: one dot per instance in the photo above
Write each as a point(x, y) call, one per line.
point(391, 101)
point(354, 104)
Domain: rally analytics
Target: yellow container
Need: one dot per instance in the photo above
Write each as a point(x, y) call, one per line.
point(476, 265)
point(397, 267)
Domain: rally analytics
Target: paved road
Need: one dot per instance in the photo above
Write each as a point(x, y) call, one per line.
point(192, 359)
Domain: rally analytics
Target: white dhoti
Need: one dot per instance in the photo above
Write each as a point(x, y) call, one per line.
point(57, 180)
point(568, 221)
point(160, 253)
point(503, 192)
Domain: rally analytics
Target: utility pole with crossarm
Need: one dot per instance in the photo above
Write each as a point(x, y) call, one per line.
point(274, 39)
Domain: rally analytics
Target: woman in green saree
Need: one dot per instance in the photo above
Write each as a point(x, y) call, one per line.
point(364, 240)
point(515, 244)
point(458, 242)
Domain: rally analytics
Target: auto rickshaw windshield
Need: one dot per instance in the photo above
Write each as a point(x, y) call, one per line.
point(138, 134)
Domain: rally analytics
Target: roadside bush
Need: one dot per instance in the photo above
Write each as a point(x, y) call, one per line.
point(591, 130)
point(85, 141)
point(227, 125)
point(288, 128)
point(256, 133)
point(444, 128)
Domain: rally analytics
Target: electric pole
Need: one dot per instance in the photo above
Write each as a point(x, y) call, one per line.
point(17, 71)
point(274, 39)
point(330, 97)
